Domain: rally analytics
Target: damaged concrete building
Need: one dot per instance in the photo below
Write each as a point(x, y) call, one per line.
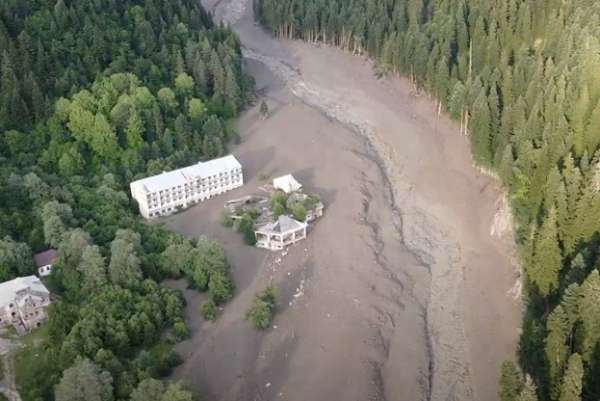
point(284, 232)
point(23, 303)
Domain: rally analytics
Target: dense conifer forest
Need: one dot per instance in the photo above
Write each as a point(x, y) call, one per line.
point(94, 94)
point(522, 77)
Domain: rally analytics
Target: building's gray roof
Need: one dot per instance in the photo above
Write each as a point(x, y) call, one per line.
point(211, 167)
point(181, 176)
point(163, 181)
point(45, 258)
point(283, 224)
point(8, 289)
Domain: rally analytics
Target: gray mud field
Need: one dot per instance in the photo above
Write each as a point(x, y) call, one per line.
point(406, 289)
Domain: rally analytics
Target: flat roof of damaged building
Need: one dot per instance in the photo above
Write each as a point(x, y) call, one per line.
point(181, 176)
point(9, 289)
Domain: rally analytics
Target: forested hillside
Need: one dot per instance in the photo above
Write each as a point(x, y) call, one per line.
point(53, 48)
point(93, 94)
point(522, 77)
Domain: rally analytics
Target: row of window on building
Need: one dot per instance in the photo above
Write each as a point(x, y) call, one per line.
point(167, 193)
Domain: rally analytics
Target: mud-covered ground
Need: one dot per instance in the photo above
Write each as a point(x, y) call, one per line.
point(405, 290)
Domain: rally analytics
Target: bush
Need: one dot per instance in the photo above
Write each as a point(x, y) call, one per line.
point(260, 314)
point(226, 219)
point(279, 210)
point(209, 310)
point(246, 227)
point(253, 213)
point(278, 198)
point(264, 109)
point(311, 201)
point(299, 211)
point(158, 361)
point(263, 308)
point(198, 279)
point(220, 287)
point(180, 330)
point(172, 360)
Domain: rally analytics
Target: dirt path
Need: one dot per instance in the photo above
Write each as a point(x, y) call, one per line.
point(401, 292)
point(8, 385)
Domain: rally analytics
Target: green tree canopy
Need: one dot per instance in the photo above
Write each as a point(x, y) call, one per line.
point(84, 381)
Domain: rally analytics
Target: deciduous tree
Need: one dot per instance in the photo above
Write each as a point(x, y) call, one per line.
point(84, 381)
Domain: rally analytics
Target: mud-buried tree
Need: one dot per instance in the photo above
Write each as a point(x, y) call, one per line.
point(262, 309)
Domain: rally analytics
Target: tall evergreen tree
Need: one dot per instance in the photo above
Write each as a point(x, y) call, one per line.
point(481, 129)
point(572, 382)
point(556, 348)
point(589, 312)
point(511, 382)
point(528, 393)
point(547, 260)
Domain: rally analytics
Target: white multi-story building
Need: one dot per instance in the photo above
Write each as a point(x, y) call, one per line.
point(167, 193)
point(23, 303)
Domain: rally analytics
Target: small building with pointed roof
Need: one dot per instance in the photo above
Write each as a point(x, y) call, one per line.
point(287, 184)
point(285, 231)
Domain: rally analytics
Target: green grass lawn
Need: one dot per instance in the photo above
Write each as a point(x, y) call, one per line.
point(26, 355)
point(35, 337)
point(30, 363)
